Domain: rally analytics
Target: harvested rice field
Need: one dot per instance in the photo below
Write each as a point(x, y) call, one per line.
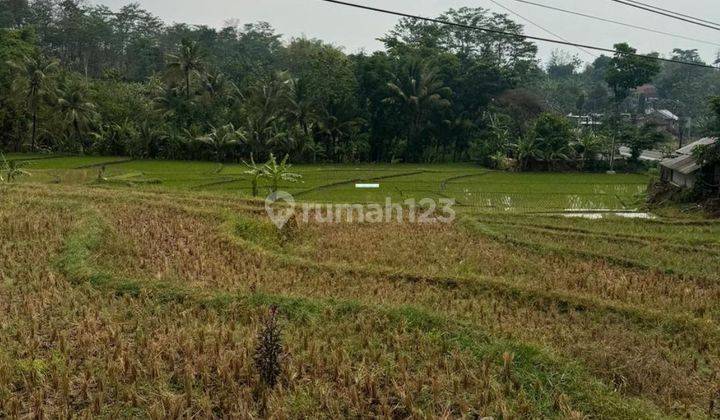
point(164, 292)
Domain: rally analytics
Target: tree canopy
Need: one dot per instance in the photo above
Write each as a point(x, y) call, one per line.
point(94, 80)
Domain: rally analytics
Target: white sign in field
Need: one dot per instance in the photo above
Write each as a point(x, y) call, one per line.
point(367, 186)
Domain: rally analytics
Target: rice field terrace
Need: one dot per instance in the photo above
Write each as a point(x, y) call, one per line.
point(470, 186)
point(146, 296)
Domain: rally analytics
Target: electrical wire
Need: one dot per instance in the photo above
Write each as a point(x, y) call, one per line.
point(519, 36)
point(675, 13)
point(659, 12)
point(629, 25)
point(540, 27)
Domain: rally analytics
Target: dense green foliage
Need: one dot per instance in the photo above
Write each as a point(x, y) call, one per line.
point(627, 72)
point(708, 185)
point(80, 78)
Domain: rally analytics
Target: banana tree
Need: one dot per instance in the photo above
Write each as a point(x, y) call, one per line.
point(256, 172)
point(278, 172)
point(12, 169)
point(526, 148)
point(588, 145)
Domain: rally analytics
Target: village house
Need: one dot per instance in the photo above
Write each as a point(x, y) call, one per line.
point(663, 118)
point(682, 167)
point(650, 112)
point(589, 120)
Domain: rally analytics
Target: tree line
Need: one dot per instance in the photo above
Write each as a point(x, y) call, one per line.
point(80, 78)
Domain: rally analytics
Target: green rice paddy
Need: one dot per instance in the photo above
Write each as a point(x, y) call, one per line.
point(470, 186)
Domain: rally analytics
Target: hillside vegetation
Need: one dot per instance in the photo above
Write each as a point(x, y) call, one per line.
point(81, 78)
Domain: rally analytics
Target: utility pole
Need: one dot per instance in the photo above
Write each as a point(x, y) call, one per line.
point(614, 137)
point(612, 155)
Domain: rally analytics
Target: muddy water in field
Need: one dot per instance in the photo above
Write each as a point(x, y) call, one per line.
point(604, 215)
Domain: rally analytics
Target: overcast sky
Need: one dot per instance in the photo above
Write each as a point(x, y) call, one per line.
point(355, 29)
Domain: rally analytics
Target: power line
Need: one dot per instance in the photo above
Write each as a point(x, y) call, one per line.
point(520, 36)
point(629, 25)
point(541, 28)
point(675, 13)
point(659, 12)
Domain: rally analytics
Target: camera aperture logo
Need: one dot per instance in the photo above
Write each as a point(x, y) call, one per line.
point(281, 207)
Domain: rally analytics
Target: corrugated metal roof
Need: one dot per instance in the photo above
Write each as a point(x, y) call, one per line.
point(662, 113)
point(684, 161)
point(669, 115)
point(647, 155)
point(688, 150)
point(685, 164)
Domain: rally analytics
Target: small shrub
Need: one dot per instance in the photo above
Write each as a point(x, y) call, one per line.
point(269, 350)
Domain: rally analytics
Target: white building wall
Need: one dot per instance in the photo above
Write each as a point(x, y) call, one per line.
point(682, 180)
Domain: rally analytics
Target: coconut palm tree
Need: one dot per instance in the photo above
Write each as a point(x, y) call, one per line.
point(418, 90)
point(35, 83)
point(300, 106)
point(219, 139)
point(78, 111)
point(151, 138)
point(311, 148)
point(333, 129)
point(187, 62)
point(262, 115)
point(218, 92)
point(217, 86)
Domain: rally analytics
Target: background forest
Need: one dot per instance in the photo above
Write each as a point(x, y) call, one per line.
point(81, 78)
